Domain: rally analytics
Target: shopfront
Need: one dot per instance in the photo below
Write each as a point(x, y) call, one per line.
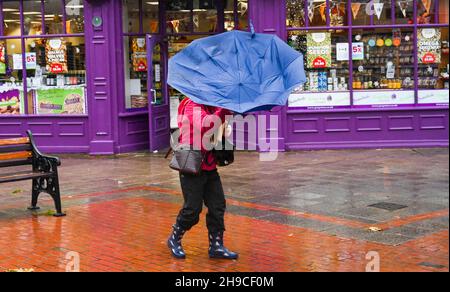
point(90, 76)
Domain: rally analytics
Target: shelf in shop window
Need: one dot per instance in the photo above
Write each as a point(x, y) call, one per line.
point(56, 87)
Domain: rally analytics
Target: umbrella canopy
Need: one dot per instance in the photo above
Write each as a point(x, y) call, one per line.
point(239, 71)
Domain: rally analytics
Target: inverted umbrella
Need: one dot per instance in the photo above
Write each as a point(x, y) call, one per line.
point(239, 71)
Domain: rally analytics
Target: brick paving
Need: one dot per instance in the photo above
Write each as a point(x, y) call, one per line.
point(306, 211)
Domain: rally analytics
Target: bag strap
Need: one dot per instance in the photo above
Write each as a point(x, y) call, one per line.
point(168, 152)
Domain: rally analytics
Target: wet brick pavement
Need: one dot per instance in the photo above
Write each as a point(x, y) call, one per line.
point(306, 211)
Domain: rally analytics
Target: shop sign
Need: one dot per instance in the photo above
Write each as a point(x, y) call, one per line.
point(11, 102)
point(434, 96)
point(314, 100)
point(60, 101)
point(56, 56)
point(319, 50)
point(376, 98)
point(429, 45)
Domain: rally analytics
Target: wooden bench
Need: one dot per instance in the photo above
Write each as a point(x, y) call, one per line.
point(43, 172)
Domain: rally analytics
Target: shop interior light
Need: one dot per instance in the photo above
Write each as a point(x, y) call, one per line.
point(10, 20)
point(28, 13)
point(74, 6)
point(10, 10)
point(152, 3)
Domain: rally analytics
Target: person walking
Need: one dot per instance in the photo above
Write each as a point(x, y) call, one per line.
point(206, 187)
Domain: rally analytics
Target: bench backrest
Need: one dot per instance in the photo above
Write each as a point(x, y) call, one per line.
point(15, 152)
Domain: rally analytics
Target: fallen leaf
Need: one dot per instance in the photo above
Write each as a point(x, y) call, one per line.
point(21, 270)
point(375, 229)
point(18, 191)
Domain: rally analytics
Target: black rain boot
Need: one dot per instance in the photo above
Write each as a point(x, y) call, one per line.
point(217, 250)
point(174, 242)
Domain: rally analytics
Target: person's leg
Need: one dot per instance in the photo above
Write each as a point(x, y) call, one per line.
point(215, 201)
point(189, 215)
point(193, 191)
point(214, 198)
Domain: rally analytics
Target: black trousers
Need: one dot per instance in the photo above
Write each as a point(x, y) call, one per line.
point(204, 188)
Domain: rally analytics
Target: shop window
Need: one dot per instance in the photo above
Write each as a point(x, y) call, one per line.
point(179, 16)
point(432, 11)
point(150, 16)
point(433, 65)
point(56, 75)
point(369, 12)
point(131, 18)
point(136, 67)
point(326, 57)
point(385, 61)
point(11, 18)
point(53, 18)
point(32, 20)
point(74, 16)
point(404, 12)
point(205, 16)
point(236, 15)
point(442, 12)
point(48, 74)
point(295, 13)
point(385, 64)
point(11, 82)
point(317, 13)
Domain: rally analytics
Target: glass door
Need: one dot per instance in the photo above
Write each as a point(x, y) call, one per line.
point(159, 107)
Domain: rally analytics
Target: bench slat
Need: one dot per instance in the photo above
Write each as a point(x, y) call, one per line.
point(16, 141)
point(22, 175)
point(15, 148)
point(16, 155)
point(15, 162)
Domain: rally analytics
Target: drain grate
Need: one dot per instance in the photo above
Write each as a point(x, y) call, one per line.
point(388, 206)
point(431, 265)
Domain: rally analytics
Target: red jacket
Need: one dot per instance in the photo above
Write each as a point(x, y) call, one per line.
point(187, 122)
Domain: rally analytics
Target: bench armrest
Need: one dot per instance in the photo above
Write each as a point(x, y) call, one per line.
point(38, 153)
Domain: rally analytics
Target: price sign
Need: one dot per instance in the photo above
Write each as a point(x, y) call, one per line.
point(358, 51)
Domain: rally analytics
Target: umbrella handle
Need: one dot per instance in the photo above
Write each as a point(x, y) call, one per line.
point(252, 28)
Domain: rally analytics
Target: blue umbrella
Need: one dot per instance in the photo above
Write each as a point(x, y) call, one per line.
point(239, 71)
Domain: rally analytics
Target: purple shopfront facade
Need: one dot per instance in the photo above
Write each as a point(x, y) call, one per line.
point(108, 128)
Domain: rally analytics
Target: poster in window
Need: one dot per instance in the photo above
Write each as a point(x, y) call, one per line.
point(61, 101)
point(11, 102)
point(429, 46)
point(56, 56)
point(139, 55)
point(319, 50)
point(2, 57)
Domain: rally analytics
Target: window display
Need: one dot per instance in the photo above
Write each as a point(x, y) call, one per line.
point(433, 65)
point(236, 15)
point(136, 67)
point(326, 60)
point(383, 64)
point(317, 13)
point(48, 76)
point(387, 60)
